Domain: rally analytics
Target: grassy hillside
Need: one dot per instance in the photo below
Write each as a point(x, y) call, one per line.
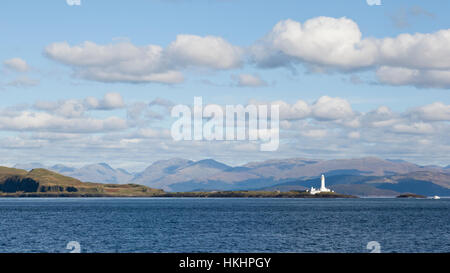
point(42, 182)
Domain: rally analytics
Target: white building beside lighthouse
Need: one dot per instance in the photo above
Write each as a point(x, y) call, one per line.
point(322, 187)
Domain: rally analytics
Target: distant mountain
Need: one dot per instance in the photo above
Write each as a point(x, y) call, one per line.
point(62, 169)
point(101, 173)
point(185, 175)
point(163, 174)
point(29, 166)
point(308, 168)
point(439, 178)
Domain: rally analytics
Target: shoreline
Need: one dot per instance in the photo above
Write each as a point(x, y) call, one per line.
point(221, 195)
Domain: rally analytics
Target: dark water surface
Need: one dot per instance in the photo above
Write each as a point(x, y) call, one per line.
point(224, 225)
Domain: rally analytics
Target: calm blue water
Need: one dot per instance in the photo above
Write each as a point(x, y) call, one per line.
point(224, 225)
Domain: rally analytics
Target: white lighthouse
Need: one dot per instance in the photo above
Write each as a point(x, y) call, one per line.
point(322, 184)
point(322, 187)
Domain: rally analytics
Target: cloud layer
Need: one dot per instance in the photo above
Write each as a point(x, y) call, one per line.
point(322, 44)
point(95, 129)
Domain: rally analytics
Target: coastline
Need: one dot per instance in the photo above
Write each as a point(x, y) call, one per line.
point(224, 194)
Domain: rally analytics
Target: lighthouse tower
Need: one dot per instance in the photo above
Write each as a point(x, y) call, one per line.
point(322, 183)
point(322, 187)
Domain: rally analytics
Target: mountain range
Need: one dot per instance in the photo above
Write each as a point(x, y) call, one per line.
point(367, 176)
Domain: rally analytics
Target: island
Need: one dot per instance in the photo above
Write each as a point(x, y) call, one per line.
point(257, 194)
point(45, 183)
point(410, 195)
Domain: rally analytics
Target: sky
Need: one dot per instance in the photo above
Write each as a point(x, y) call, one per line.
point(95, 81)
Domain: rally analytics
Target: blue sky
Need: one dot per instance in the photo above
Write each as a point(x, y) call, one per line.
point(29, 28)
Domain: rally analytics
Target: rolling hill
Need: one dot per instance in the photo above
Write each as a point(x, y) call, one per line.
point(42, 182)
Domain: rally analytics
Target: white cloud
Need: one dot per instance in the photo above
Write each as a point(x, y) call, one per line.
point(16, 64)
point(380, 117)
point(109, 102)
point(417, 51)
point(33, 121)
point(298, 110)
point(321, 41)
point(414, 128)
point(354, 135)
point(248, 80)
point(433, 112)
point(336, 44)
point(208, 52)
point(327, 108)
point(78, 107)
point(125, 62)
point(316, 133)
point(373, 2)
point(161, 102)
point(153, 133)
point(419, 78)
point(324, 109)
point(121, 62)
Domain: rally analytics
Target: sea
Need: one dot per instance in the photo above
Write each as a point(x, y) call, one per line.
point(229, 225)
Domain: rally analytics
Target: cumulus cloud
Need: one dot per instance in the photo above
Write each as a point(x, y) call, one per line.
point(324, 109)
point(336, 44)
point(414, 128)
point(161, 102)
point(16, 64)
point(79, 116)
point(380, 117)
point(78, 107)
point(110, 101)
point(121, 62)
point(417, 51)
point(316, 133)
point(298, 110)
point(432, 112)
point(208, 52)
point(153, 133)
point(125, 62)
point(248, 80)
point(35, 121)
point(328, 108)
point(65, 108)
point(420, 78)
point(321, 41)
point(143, 113)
